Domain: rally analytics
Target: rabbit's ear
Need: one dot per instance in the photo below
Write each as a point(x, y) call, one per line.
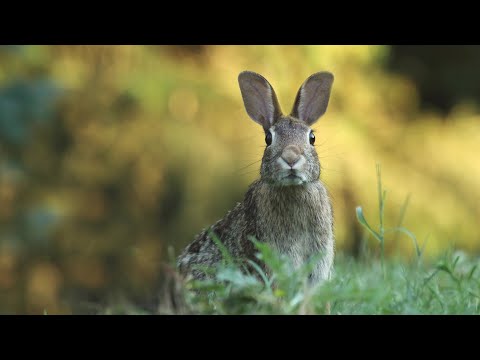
point(259, 98)
point(312, 98)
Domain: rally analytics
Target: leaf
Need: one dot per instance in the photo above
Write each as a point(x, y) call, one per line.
point(206, 269)
point(455, 262)
point(269, 256)
point(411, 235)
point(403, 210)
point(443, 267)
point(206, 285)
point(361, 220)
point(236, 277)
point(262, 274)
point(297, 299)
point(470, 274)
point(223, 249)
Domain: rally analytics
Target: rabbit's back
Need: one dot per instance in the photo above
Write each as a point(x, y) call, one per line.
point(232, 231)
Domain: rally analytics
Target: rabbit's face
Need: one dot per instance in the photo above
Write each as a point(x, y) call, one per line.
point(290, 157)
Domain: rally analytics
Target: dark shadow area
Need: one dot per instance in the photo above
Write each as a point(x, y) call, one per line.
point(444, 74)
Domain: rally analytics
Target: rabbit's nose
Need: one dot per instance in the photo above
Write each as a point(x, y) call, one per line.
point(291, 154)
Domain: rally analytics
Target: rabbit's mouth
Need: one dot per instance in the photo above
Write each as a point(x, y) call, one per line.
point(292, 178)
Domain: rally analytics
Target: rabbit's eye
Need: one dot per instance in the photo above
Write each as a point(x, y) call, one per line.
point(312, 138)
point(268, 138)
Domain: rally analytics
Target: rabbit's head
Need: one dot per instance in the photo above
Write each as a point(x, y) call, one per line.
point(290, 157)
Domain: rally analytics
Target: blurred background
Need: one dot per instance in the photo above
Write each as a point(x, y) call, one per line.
point(113, 157)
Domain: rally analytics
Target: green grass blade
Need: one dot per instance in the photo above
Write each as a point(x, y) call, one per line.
point(470, 274)
point(223, 250)
point(411, 236)
point(361, 219)
point(403, 210)
point(259, 270)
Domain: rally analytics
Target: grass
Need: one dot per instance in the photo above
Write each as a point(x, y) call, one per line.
point(448, 286)
point(369, 285)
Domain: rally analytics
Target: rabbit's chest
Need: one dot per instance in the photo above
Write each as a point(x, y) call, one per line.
point(297, 236)
point(295, 221)
point(298, 229)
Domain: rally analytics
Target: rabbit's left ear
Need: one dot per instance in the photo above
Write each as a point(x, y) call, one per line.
point(312, 98)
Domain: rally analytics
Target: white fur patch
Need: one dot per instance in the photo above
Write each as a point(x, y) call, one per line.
point(274, 135)
point(283, 164)
point(300, 163)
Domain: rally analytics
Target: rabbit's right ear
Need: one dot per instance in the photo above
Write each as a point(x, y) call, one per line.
point(312, 98)
point(259, 98)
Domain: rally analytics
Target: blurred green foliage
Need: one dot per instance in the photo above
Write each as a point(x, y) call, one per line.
point(109, 155)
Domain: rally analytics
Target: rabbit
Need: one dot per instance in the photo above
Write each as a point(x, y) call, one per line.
point(288, 207)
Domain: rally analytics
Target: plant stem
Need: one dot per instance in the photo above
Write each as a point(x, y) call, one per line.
point(381, 201)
